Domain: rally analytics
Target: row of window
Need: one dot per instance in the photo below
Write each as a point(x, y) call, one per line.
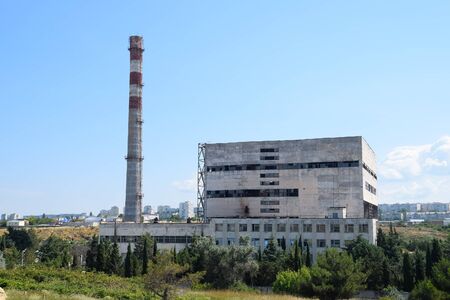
point(270, 157)
point(369, 170)
point(270, 202)
point(270, 183)
point(255, 242)
point(269, 210)
point(268, 150)
point(370, 188)
point(252, 193)
point(286, 166)
point(181, 239)
point(269, 175)
point(348, 228)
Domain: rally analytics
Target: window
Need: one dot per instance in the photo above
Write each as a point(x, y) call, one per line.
point(230, 241)
point(219, 242)
point(268, 150)
point(370, 188)
point(307, 227)
point(252, 193)
point(349, 228)
point(284, 166)
point(266, 242)
point(255, 243)
point(267, 227)
point(294, 228)
point(270, 210)
point(272, 157)
point(321, 243)
point(336, 243)
point(335, 215)
point(363, 228)
point(320, 228)
point(335, 228)
point(255, 227)
point(270, 202)
point(242, 227)
point(219, 227)
point(307, 242)
point(269, 175)
point(230, 227)
point(281, 227)
point(269, 182)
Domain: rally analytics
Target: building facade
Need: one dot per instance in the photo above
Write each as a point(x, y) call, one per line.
point(186, 210)
point(322, 191)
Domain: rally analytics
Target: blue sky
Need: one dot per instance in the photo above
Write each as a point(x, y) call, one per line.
point(216, 71)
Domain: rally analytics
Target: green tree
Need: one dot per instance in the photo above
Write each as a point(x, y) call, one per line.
point(102, 257)
point(419, 266)
point(425, 290)
point(128, 267)
point(436, 251)
point(408, 274)
point(91, 254)
point(145, 257)
point(272, 262)
point(428, 262)
point(164, 277)
point(381, 239)
point(441, 275)
point(21, 238)
point(308, 262)
point(294, 283)
point(336, 275)
point(371, 258)
point(115, 260)
point(55, 252)
point(295, 259)
point(283, 244)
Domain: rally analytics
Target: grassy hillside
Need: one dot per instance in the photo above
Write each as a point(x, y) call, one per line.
point(66, 233)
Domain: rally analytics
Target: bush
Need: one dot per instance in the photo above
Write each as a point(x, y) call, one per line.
point(425, 290)
point(294, 283)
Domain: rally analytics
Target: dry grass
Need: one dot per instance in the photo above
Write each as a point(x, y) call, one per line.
point(67, 233)
point(221, 295)
point(42, 295)
point(417, 232)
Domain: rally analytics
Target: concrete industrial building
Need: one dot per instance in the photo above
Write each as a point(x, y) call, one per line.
point(322, 190)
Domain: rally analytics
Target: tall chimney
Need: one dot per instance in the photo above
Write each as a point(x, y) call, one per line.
point(133, 202)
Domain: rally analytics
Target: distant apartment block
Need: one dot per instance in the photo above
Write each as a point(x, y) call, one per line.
point(186, 210)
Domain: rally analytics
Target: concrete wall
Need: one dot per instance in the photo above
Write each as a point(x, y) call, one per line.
point(319, 188)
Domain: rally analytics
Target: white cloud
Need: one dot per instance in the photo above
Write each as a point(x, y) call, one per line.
point(186, 185)
point(417, 173)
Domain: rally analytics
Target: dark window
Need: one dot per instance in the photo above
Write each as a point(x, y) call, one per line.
point(335, 228)
point(242, 227)
point(255, 227)
point(269, 150)
point(320, 228)
point(349, 228)
point(270, 210)
point(267, 227)
point(273, 157)
point(252, 193)
point(321, 244)
point(270, 183)
point(285, 166)
point(294, 228)
point(270, 202)
point(335, 243)
point(281, 227)
point(370, 211)
point(269, 175)
point(307, 227)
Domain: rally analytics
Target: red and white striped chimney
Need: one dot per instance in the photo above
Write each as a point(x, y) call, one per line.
point(133, 202)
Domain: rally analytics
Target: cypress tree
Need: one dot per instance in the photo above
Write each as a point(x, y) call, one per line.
point(174, 254)
point(114, 260)
point(428, 262)
point(91, 254)
point(436, 252)
point(419, 265)
point(259, 254)
point(155, 251)
point(101, 257)
point(297, 261)
point(408, 277)
point(386, 273)
point(300, 244)
point(145, 258)
point(128, 272)
point(308, 257)
point(283, 244)
point(381, 239)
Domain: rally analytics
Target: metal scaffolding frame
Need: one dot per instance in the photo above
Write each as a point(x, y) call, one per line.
point(201, 183)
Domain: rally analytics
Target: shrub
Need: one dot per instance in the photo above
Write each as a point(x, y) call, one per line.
point(425, 290)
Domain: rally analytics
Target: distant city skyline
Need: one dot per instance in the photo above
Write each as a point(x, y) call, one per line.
point(216, 72)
